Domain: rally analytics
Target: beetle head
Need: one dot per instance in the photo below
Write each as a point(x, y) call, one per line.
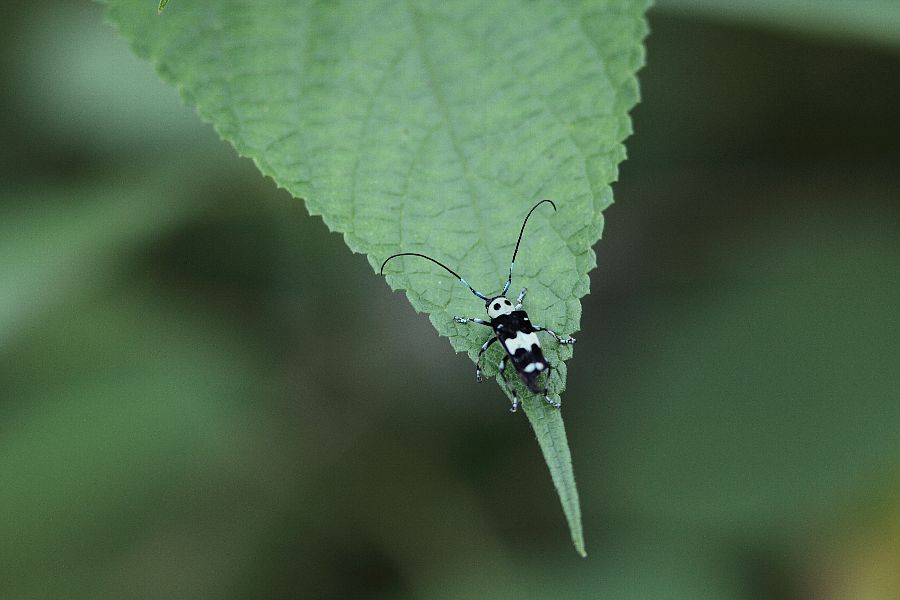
point(497, 306)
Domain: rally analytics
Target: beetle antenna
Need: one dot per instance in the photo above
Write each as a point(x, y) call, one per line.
point(516, 251)
point(440, 264)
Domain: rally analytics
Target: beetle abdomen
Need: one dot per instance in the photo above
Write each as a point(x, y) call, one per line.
point(521, 343)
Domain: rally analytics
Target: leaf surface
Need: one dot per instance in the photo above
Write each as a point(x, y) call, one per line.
point(428, 127)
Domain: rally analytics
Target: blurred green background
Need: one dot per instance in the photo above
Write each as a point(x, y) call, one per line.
point(204, 394)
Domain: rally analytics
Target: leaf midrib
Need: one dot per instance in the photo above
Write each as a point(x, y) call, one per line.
point(445, 116)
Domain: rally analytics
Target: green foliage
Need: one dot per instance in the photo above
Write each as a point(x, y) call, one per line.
point(774, 425)
point(663, 566)
point(162, 5)
point(432, 128)
point(174, 422)
point(82, 241)
point(81, 451)
point(867, 20)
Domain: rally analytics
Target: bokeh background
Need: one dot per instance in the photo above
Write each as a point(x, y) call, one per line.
point(204, 394)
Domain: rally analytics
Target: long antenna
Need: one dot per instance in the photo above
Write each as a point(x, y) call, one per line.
point(440, 264)
point(516, 251)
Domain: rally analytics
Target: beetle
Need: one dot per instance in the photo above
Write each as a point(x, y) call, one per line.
point(511, 327)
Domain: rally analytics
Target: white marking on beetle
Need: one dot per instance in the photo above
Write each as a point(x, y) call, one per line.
point(522, 340)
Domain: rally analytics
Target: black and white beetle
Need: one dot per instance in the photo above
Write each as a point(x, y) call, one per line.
point(511, 326)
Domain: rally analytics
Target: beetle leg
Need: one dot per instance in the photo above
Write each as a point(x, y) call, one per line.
point(561, 340)
point(520, 298)
point(515, 402)
point(464, 320)
point(486, 345)
point(553, 403)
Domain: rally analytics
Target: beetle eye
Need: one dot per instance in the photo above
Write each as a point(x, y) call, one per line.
point(496, 306)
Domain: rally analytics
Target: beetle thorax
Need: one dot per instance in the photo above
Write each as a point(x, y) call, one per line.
point(498, 306)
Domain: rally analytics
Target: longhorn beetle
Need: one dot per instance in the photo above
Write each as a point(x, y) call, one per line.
point(511, 327)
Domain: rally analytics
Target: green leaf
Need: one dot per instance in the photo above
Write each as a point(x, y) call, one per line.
point(428, 127)
point(59, 245)
point(551, 435)
point(770, 398)
point(116, 438)
point(630, 566)
point(162, 5)
point(868, 20)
